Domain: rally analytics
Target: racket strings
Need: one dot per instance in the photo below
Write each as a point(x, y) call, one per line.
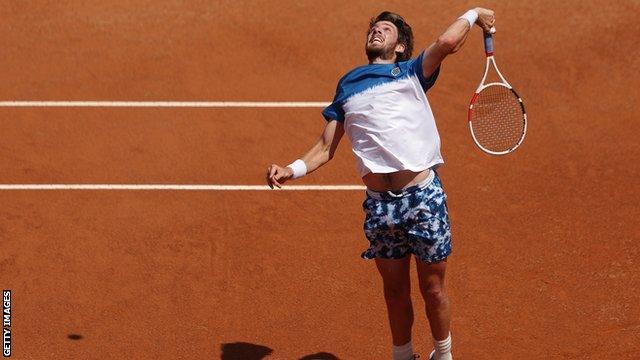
point(497, 119)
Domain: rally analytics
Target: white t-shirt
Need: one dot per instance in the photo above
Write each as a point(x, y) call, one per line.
point(387, 117)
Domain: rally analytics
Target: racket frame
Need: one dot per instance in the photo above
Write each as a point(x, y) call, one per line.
point(488, 48)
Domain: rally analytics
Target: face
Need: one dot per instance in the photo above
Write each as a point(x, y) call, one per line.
point(382, 41)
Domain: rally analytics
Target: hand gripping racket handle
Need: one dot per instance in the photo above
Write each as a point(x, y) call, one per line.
point(488, 44)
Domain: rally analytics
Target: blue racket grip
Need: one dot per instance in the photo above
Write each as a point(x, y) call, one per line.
point(488, 44)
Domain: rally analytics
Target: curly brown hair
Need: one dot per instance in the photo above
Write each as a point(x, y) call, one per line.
point(405, 34)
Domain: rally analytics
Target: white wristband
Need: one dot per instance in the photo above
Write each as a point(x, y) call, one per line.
point(299, 168)
point(471, 16)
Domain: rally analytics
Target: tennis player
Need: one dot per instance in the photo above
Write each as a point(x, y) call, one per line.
point(383, 109)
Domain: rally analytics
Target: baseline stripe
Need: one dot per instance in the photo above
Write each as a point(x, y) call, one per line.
point(184, 104)
point(175, 187)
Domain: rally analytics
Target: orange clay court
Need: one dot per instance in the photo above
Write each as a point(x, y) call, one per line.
point(545, 262)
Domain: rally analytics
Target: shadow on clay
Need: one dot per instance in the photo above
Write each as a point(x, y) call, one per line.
point(248, 351)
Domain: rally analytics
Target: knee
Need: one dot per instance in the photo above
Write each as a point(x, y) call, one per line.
point(397, 294)
point(434, 295)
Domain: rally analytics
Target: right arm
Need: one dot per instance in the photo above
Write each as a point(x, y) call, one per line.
point(452, 39)
point(319, 154)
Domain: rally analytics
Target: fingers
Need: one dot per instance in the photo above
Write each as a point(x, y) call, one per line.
point(273, 175)
point(277, 175)
point(271, 170)
point(276, 183)
point(489, 27)
point(487, 20)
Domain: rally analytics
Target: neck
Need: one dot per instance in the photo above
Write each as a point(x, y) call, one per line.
point(380, 60)
point(388, 58)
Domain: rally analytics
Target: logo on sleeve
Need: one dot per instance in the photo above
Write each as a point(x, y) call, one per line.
point(395, 71)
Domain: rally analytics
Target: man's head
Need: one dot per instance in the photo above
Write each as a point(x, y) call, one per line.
point(388, 36)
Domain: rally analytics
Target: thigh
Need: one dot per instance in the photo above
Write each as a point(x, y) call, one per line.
point(431, 274)
point(395, 272)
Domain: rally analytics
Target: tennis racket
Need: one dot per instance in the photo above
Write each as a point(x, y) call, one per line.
point(497, 119)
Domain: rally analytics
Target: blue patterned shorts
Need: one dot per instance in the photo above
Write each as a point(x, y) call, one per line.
point(416, 223)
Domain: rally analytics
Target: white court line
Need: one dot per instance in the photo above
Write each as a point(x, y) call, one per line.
point(176, 187)
point(188, 104)
point(200, 104)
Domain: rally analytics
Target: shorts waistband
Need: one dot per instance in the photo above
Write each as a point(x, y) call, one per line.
point(393, 195)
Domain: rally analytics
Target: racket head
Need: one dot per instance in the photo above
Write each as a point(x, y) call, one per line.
point(497, 119)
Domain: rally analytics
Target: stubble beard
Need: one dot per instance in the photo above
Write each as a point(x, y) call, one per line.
point(382, 53)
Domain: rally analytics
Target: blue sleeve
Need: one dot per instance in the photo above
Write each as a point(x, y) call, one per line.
point(334, 111)
point(415, 66)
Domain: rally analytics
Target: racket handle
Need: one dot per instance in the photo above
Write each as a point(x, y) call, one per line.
point(488, 44)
